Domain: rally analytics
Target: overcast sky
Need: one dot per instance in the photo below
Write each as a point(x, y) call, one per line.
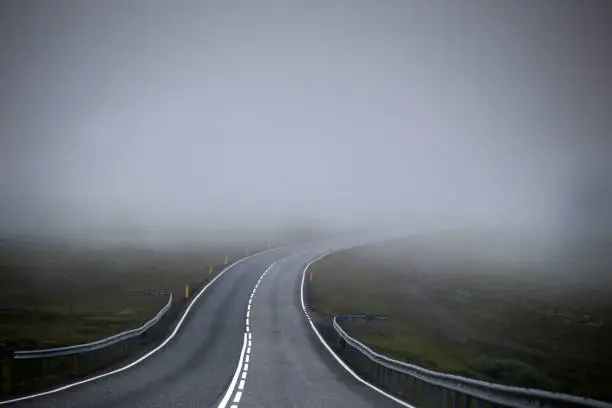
point(233, 113)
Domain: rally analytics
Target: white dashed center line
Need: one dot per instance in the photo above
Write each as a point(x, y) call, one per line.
point(238, 396)
point(243, 362)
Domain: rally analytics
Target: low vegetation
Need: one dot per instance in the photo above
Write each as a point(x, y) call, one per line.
point(532, 322)
point(55, 295)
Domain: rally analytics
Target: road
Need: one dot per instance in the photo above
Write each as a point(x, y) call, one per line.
point(282, 363)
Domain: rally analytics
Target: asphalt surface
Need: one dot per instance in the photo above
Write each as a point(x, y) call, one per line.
point(287, 364)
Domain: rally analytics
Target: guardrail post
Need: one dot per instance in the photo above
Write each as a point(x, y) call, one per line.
point(363, 362)
point(461, 400)
point(397, 381)
point(431, 394)
point(401, 383)
point(442, 399)
point(385, 375)
point(75, 363)
point(426, 392)
point(356, 359)
point(408, 385)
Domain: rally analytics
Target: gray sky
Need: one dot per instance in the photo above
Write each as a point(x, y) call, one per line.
point(233, 113)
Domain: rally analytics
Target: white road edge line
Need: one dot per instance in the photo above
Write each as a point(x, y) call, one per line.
point(338, 359)
point(149, 354)
point(230, 389)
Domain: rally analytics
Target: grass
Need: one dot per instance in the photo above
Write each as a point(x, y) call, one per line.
point(79, 296)
point(534, 323)
point(54, 295)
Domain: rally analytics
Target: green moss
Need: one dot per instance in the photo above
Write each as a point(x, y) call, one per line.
point(517, 324)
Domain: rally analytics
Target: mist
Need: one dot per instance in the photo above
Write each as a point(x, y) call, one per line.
point(157, 118)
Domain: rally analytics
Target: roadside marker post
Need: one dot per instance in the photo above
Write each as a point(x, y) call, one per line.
point(186, 291)
point(246, 252)
point(210, 269)
point(225, 263)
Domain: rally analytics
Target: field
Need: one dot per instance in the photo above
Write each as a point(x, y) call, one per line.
point(454, 307)
point(55, 295)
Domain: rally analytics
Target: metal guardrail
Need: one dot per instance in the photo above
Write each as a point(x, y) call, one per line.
point(427, 388)
point(96, 345)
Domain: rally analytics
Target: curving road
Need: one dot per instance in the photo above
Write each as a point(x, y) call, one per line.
point(213, 362)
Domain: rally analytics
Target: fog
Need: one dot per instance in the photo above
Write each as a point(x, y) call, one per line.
point(216, 116)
